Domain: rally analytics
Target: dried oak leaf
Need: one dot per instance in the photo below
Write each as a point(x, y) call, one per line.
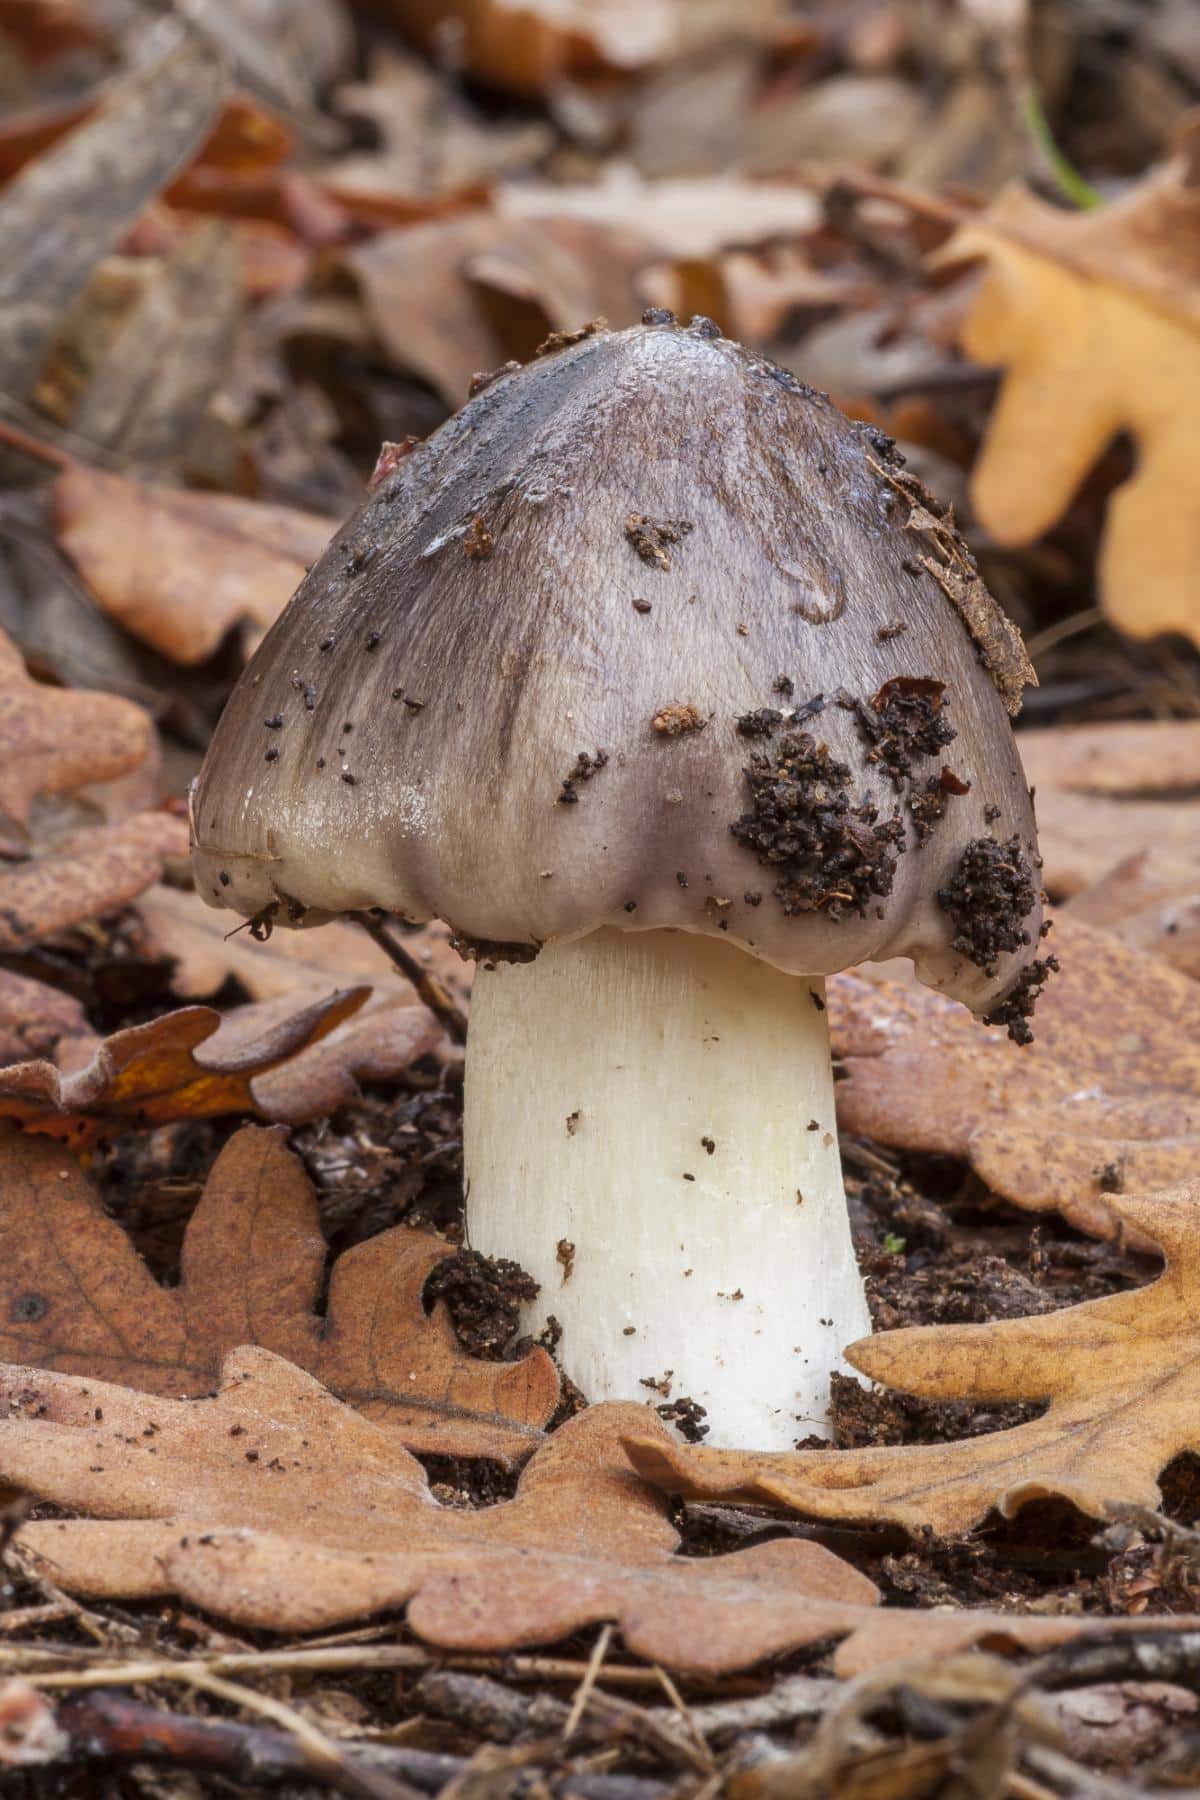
point(38, 1020)
point(205, 562)
point(1094, 317)
point(1107, 1097)
point(1124, 791)
point(196, 938)
point(168, 1070)
point(1121, 1375)
point(462, 296)
point(74, 1296)
point(276, 1507)
point(54, 740)
point(92, 874)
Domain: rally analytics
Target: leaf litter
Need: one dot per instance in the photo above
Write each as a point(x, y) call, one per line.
point(75, 1296)
point(279, 276)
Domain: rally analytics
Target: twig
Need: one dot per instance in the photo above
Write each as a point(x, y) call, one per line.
point(322, 1755)
point(1151, 1656)
point(110, 1728)
point(584, 1690)
point(429, 988)
point(681, 1709)
point(70, 1666)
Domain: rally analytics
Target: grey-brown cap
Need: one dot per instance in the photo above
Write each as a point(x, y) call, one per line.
point(647, 635)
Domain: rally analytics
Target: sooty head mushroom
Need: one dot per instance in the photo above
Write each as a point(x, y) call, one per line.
point(665, 686)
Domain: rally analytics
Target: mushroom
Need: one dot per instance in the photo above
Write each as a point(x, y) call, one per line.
point(669, 690)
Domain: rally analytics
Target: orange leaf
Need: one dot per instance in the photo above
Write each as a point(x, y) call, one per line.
point(74, 1296)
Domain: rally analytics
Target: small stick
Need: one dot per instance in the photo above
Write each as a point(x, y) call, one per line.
point(111, 1728)
point(583, 1692)
point(320, 1752)
point(429, 988)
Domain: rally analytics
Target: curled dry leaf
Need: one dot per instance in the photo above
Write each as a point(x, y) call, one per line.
point(277, 1507)
point(1107, 1097)
point(167, 1070)
point(1094, 317)
point(377, 1043)
point(461, 296)
point(53, 740)
point(205, 562)
point(1121, 1376)
point(93, 874)
point(75, 1296)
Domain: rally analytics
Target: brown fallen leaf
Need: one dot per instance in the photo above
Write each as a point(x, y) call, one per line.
point(461, 296)
point(1106, 792)
point(54, 740)
point(276, 1507)
point(528, 47)
point(378, 1042)
point(1107, 1097)
point(166, 1070)
point(37, 1020)
point(1149, 905)
point(75, 1296)
point(196, 937)
point(697, 216)
point(205, 562)
point(1095, 320)
point(1121, 1376)
point(92, 874)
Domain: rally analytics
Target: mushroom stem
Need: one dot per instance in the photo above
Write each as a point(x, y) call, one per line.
point(650, 1132)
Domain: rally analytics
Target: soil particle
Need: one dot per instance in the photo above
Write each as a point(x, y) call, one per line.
point(585, 767)
point(565, 1253)
point(483, 378)
point(927, 805)
point(653, 538)
point(491, 950)
point(562, 340)
point(478, 541)
point(641, 606)
point(903, 722)
point(783, 685)
point(677, 719)
point(759, 724)
point(687, 1416)
point(831, 855)
point(1017, 1006)
point(483, 1295)
point(991, 892)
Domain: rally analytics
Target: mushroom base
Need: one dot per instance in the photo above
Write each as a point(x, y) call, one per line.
point(650, 1132)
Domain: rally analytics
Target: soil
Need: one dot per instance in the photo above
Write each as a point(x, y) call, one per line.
point(832, 855)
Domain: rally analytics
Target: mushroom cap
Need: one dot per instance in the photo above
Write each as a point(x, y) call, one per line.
point(647, 635)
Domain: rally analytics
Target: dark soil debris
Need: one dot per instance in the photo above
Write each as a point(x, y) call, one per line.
point(586, 765)
point(483, 1295)
point(832, 855)
point(992, 890)
point(903, 722)
point(653, 538)
point(687, 1416)
point(1016, 1009)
